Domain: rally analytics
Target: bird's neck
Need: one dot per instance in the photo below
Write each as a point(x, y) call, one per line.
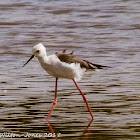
point(42, 58)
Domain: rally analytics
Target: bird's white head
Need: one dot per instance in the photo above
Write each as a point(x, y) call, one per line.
point(39, 50)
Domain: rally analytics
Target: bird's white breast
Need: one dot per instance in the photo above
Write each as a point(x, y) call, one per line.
point(60, 69)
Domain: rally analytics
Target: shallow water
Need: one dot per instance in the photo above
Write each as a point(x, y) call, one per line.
point(103, 32)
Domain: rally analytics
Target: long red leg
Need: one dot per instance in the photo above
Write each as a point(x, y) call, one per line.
point(84, 98)
point(55, 100)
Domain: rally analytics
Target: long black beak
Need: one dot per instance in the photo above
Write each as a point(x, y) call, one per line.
point(28, 60)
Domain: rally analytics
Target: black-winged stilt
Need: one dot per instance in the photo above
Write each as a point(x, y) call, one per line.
point(63, 66)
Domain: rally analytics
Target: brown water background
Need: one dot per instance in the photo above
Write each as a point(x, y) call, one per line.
point(103, 32)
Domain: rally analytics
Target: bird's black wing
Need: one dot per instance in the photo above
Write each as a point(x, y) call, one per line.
point(68, 58)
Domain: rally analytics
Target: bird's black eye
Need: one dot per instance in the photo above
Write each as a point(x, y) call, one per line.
point(37, 51)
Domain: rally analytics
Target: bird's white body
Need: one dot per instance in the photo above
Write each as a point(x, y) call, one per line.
point(55, 67)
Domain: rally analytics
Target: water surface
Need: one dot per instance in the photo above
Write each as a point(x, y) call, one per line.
point(103, 32)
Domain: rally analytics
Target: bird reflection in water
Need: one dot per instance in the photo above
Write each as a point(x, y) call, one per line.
point(86, 131)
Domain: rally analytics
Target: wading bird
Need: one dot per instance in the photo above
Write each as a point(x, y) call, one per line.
point(63, 66)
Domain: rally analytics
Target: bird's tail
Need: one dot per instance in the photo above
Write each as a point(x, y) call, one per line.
point(99, 66)
point(96, 66)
